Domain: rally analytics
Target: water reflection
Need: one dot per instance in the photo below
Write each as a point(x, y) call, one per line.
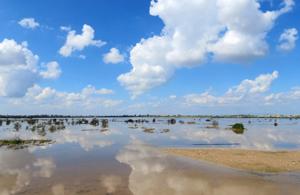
point(111, 183)
point(156, 173)
point(58, 189)
point(17, 169)
point(122, 156)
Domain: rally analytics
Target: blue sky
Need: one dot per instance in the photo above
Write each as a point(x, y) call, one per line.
point(186, 60)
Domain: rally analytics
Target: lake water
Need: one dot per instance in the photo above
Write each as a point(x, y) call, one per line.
point(125, 158)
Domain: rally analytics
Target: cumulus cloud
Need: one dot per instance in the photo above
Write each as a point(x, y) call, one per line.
point(89, 98)
point(18, 68)
point(53, 71)
point(89, 90)
point(287, 40)
point(245, 90)
point(196, 31)
point(113, 57)
point(283, 97)
point(29, 23)
point(77, 42)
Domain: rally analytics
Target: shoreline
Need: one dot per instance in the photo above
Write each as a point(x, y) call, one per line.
point(244, 159)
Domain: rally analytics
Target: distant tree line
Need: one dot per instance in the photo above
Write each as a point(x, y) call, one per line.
point(148, 115)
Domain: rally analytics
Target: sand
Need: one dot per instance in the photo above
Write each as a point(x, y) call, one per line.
point(250, 160)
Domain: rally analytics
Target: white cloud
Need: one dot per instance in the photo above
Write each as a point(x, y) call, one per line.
point(89, 98)
point(89, 90)
point(260, 84)
point(29, 23)
point(247, 90)
point(83, 57)
point(283, 97)
point(18, 68)
point(65, 28)
point(203, 98)
point(172, 97)
point(287, 40)
point(53, 71)
point(77, 42)
point(113, 57)
point(195, 30)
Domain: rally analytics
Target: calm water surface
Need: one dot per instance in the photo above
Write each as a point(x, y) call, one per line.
point(125, 159)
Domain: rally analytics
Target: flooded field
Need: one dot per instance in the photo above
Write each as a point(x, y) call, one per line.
point(123, 156)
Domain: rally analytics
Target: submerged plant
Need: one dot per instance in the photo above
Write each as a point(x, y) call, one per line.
point(149, 130)
point(31, 121)
point(104, 123)
point(18, 143)
point(172, 121)
point(238, 128)
point(17, 126)
point(94, 122)
point(215, 124)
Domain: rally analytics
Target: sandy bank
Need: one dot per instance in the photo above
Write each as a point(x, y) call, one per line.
point(252, 160)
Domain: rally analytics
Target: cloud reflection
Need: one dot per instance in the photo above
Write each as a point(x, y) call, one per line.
point(18, 167)
point(155, 173)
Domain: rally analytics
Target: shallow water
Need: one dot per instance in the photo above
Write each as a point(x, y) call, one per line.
point(125, 159)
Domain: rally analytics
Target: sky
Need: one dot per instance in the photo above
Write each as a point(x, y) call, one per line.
point(111, 57)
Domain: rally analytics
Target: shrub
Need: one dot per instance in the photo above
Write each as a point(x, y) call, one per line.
point(17, 126)
point(215, 124)
point(104, 123)
point(238, 128)
point(172, 121)
point(94, 122)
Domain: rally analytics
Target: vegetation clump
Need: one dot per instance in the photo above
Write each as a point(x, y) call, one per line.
point(238, 128)
point(165, 131)
point(149, 130)
point(129, 121)
point(94, 122)
point(215, 124)
point(172, 121)
point(136, 121)
point(52, 128)
point(82, 121)
point(104, 123)
point(31, 121)
point(17, 126)
point(19, 143)
point(191, 122)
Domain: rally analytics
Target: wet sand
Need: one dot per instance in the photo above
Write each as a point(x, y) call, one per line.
point(250, 160)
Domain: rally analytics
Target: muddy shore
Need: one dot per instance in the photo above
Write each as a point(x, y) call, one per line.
point(250, 160)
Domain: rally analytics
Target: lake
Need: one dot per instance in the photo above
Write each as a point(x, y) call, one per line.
point(121, 157)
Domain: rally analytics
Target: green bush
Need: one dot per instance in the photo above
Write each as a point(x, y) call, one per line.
point(238, 128)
